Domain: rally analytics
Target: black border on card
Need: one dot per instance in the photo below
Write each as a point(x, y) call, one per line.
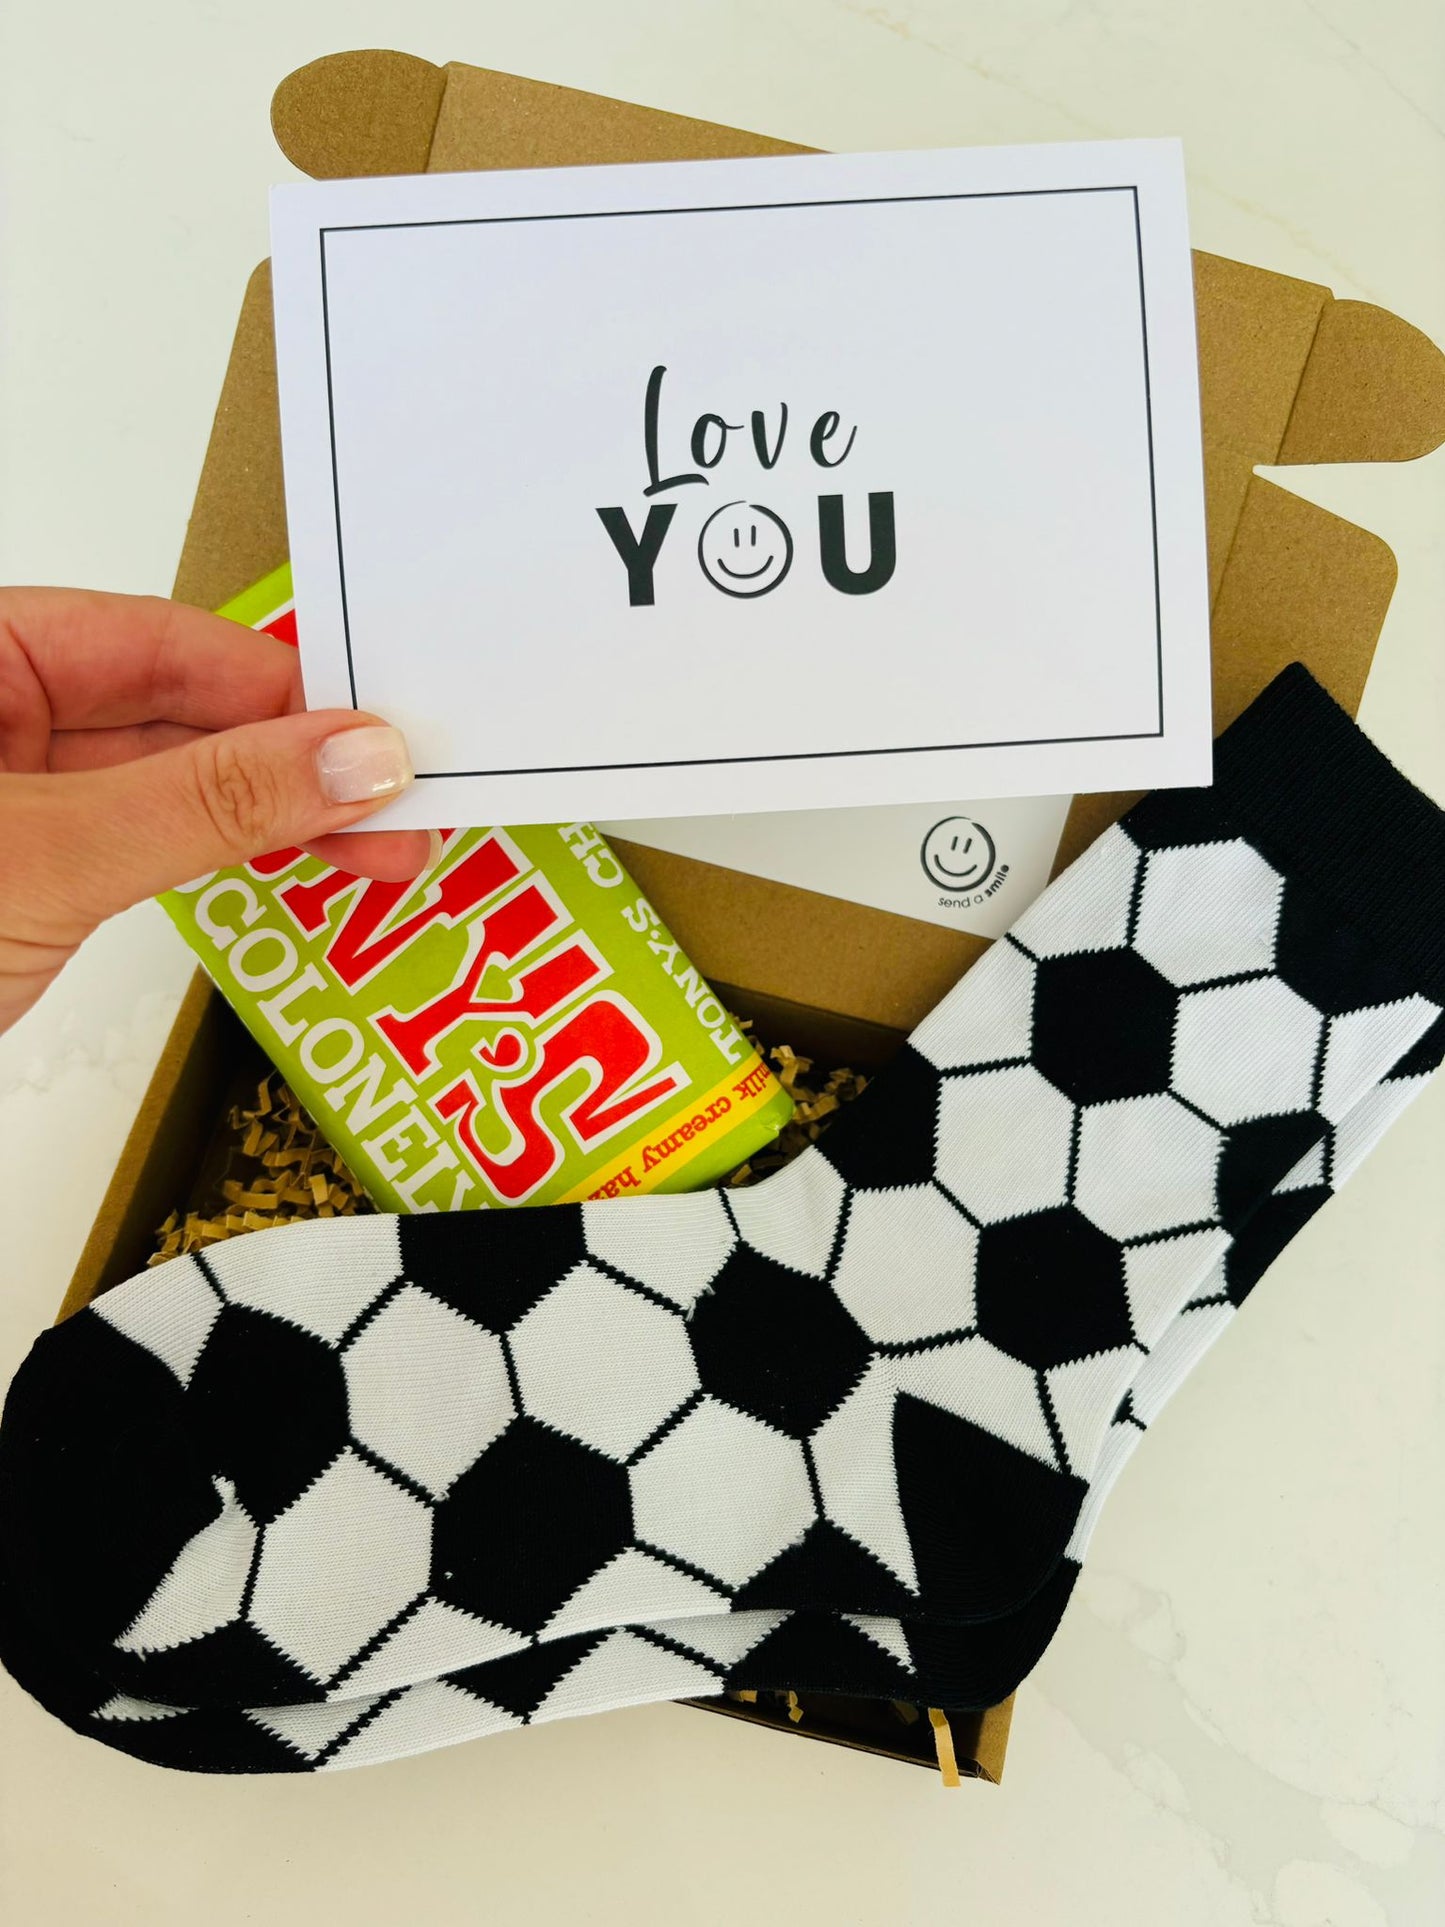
point(748, 207)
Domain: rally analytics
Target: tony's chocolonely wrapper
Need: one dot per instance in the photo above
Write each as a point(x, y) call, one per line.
point(515, 1027)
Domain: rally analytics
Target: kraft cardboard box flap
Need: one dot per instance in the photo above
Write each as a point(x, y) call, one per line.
point(1288, 374)
point(346, 114)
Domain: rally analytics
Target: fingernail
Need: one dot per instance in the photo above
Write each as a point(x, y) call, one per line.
point(363, 765)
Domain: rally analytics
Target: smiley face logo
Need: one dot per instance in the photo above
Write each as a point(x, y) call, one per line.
point(958, 854)
point(744, 549)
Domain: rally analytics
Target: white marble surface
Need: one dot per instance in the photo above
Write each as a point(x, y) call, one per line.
point(1241, 1720)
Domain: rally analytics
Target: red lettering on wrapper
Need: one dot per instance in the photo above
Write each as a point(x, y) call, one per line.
point(752, 1084)
point(626, 1180)
point(610, 1042)
point(283, 626)
point(366, 938)
point(275, 863)
point(655, 1154)
point(497, 940)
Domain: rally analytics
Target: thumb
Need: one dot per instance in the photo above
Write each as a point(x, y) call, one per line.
point(138, 828)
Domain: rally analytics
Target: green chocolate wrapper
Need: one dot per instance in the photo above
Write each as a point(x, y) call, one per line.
point(517, 1026)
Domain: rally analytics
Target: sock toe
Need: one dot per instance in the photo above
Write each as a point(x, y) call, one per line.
point(100, 1489)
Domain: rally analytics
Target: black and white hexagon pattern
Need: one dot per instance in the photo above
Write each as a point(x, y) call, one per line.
point(408, 1711)
point(443, 1442)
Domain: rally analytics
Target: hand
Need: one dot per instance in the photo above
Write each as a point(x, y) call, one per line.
point(142, 744)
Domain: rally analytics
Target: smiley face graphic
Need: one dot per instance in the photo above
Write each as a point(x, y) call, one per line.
point(958, 854)
point(744, 549)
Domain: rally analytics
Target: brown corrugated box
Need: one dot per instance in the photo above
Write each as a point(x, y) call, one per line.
point(1288, 375)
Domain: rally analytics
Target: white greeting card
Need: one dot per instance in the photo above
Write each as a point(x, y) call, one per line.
point(752, 485)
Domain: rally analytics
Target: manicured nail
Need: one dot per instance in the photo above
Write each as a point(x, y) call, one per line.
point(363, 765)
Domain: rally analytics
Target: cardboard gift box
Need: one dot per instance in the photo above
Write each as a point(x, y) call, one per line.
point(1288, 375)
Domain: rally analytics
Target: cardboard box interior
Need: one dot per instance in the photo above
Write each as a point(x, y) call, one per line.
point(1288, 375)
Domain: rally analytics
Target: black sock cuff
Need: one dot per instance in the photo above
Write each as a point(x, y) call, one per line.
point(1322, 802)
